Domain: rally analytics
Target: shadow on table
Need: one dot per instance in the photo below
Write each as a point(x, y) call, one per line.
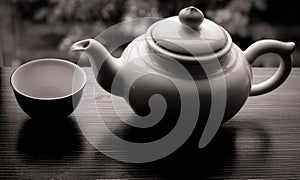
point(60, 142)
point(48, 140)
point(220, 157)
point(227, 152)
point(194, 162)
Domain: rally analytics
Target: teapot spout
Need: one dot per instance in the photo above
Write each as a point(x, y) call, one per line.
point(104, 65)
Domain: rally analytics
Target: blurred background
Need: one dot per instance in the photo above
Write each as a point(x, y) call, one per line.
point(31, 29)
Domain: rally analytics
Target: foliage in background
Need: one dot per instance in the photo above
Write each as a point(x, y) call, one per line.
point(246, 20)
point(236, 15)
point(61, 11)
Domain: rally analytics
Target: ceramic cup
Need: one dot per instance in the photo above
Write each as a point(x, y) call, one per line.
point(48, 87)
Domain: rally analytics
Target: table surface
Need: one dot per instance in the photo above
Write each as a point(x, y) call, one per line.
point(261, 141)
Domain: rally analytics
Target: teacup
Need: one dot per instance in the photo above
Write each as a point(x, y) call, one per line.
point(48, 87)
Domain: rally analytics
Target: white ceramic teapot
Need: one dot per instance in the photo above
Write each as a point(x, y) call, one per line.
point(202, 47)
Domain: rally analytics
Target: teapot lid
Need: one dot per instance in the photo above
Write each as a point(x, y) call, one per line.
point(188, 35)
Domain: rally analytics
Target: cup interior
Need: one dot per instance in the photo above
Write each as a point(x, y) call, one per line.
point(48, 79)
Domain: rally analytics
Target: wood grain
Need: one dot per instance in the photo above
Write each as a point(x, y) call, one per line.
point(261, 141)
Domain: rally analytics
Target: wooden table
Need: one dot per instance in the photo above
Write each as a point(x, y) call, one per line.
point(261, 141)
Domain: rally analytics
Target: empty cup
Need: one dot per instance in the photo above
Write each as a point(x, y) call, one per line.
point(48, 87)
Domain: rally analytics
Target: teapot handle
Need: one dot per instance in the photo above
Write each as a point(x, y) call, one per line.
point(284, 50)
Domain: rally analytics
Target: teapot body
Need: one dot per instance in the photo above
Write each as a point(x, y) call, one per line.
point(146, 73)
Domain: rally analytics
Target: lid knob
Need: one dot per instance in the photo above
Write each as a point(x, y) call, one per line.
point(191, 17)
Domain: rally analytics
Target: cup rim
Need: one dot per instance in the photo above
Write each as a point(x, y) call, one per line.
point(48, 59)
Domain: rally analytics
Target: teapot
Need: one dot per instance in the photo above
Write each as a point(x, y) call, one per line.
point(193, 51)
